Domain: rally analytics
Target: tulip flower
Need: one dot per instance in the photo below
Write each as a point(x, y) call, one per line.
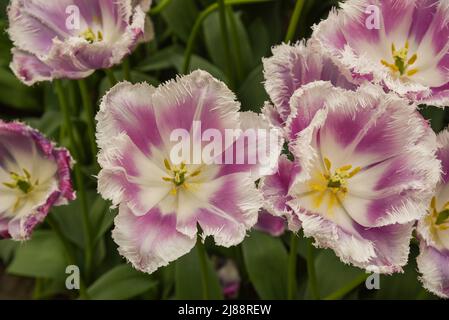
point(292, 66)
point(34, 177)
point(72, 38)
point(366, 169)
point(433, 231)
point(162, 199)
point(400, 45)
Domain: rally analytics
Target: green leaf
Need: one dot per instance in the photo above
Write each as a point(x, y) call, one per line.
point(188, 281)
point(42, 256)
point(70, 219)
point(180, 15)
point(242, 57)
point(15, 94)
point(260, 38)
point(49, 123)
point(197, 62)
point(252, 93)
point(266, 260)
point(160, 60)
point(7, 250)
point(122, 282)
point(333, 275)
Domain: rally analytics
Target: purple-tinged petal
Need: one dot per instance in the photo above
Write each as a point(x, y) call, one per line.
point(434, 268)
point(150, 241)
point(28, 68)
point(129, 109)
point(270, 224)
point(381, 250)
point(256, 148)
point(275, 190)
point(293, 66)
point(230, 212)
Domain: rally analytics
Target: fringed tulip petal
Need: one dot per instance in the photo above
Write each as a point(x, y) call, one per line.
point(433, 230)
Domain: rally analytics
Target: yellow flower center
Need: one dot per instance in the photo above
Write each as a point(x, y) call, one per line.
point(178, 175)
point(91, 37)
point(331, 184)
point(22, 183)
point(401, 62)
point(439, 220)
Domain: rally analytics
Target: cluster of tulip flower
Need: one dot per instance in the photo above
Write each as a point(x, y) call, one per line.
point(362, 172)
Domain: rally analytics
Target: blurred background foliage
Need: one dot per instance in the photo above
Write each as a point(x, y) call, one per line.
point(36, 269)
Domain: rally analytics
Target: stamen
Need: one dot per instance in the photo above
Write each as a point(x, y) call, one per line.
point(401, 62)
point(167, 165)
point(23, 183)
point(178, 175)
point(334, 183)
point(91, 37)
point(412, 72)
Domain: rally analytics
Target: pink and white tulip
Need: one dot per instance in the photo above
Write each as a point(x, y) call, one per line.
point(433, 231)
point(365, 170)
point(72, 38)
point(292, 66)
point(399, 44)
point(161, 203)
point(34, 176)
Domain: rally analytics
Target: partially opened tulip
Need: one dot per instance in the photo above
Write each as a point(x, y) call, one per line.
point(433, 231)
point(72, 38)
point(292, 66)
point(366, 172)
point(162, 199)
point(34, 176)
point(401, 45)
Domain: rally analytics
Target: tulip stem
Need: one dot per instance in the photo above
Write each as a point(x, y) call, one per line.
point(67, 119)
point(159, 7)
point(225, 37)
point(202, 254)
point(292, 284)
point(111, 76)
point(294, 20)
point(313, 287)
point(198, 23)
point(238, 49)
point(78, 178)
point(88, 107)
point(126, 70)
